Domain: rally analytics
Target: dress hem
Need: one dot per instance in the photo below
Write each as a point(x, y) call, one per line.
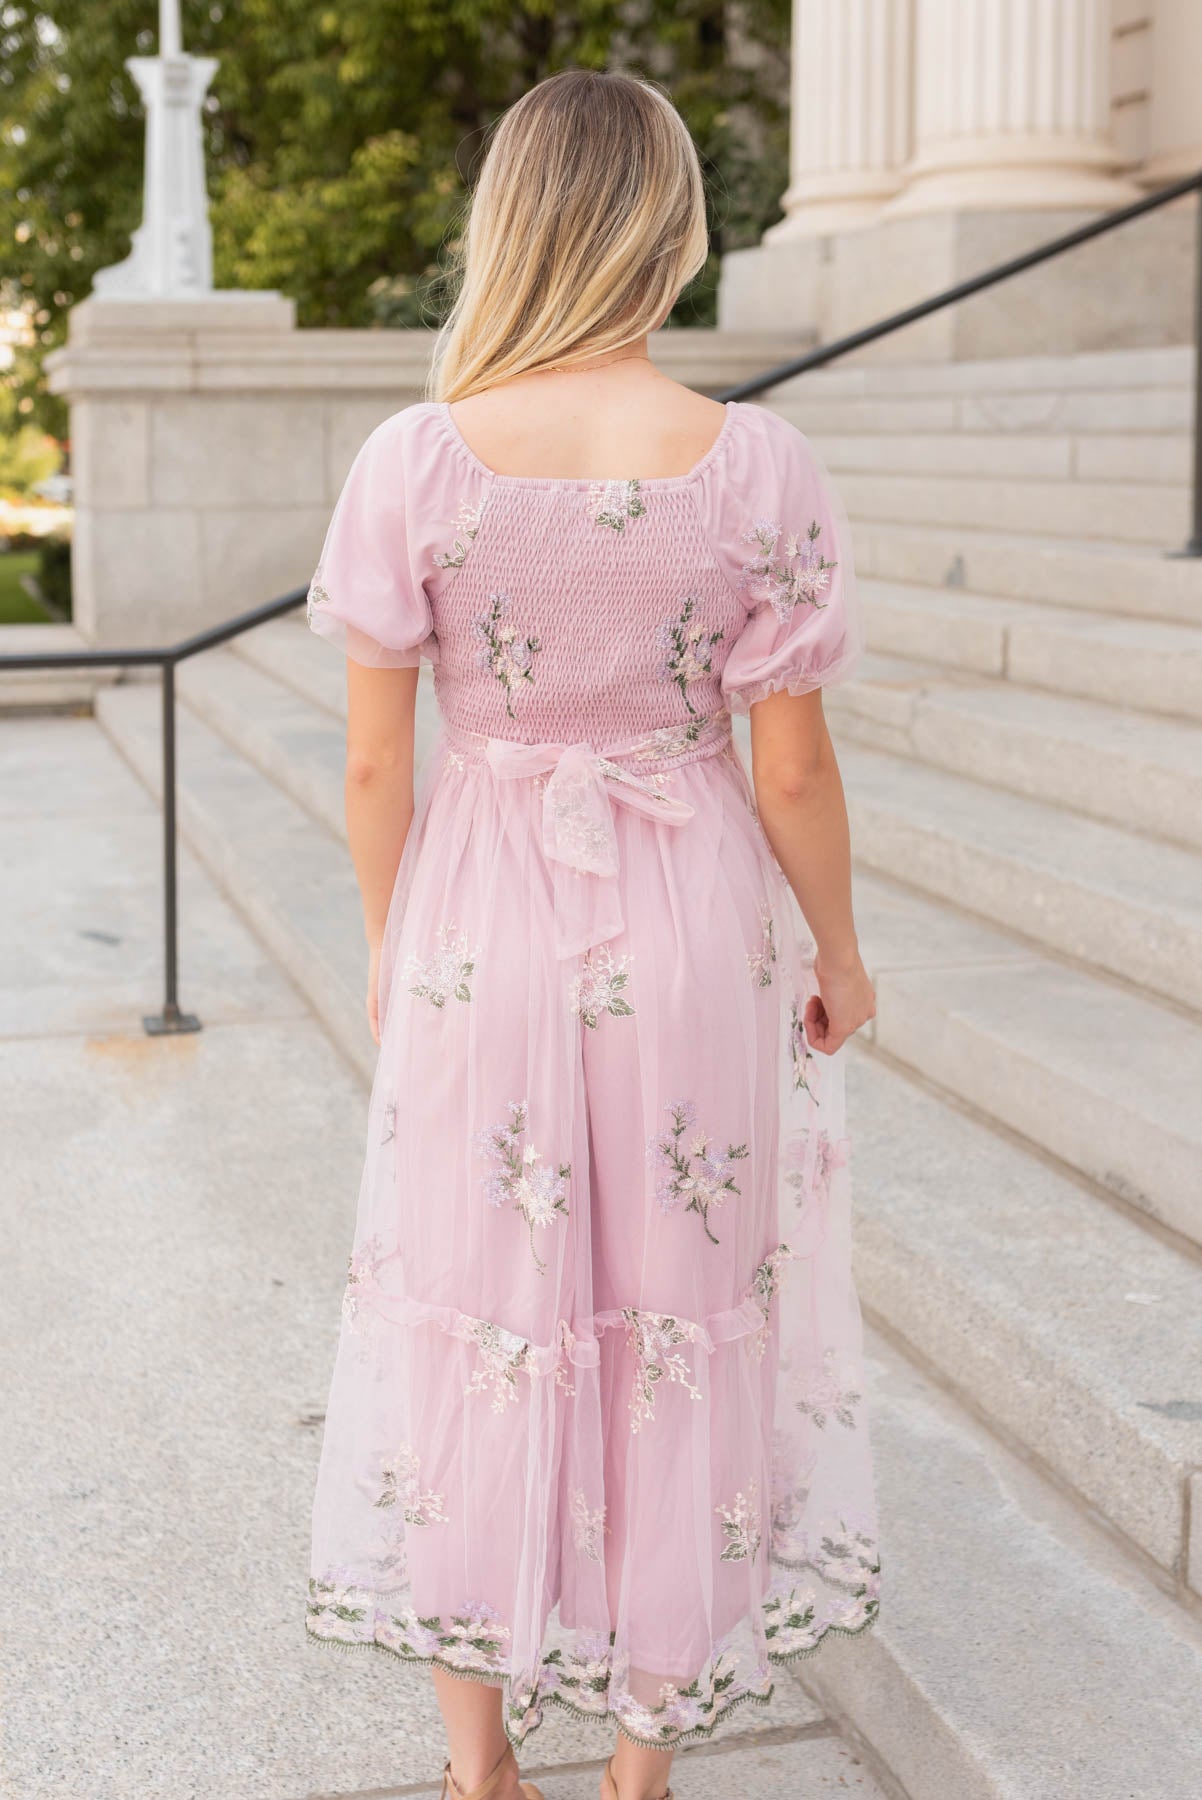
point(696, 1734)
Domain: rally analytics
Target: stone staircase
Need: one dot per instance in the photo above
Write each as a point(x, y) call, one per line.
point(1023, 759)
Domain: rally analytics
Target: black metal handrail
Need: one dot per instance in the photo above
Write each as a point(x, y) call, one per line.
point(171, 1019)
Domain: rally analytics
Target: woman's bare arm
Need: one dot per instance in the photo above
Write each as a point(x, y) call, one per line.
point(799, 798)
point(379, 795)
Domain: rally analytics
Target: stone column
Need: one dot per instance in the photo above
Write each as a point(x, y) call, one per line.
point(1175, 109)
point(1012, 107)
point(850, 126)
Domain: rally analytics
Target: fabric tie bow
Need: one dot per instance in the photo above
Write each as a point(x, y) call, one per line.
point(579, 839)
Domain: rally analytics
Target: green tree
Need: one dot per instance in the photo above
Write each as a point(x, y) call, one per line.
point(341, 139)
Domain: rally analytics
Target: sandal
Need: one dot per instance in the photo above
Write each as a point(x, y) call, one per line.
point(451, 1792)
point(611, 1786)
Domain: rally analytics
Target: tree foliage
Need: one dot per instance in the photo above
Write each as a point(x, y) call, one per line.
point(342, 138)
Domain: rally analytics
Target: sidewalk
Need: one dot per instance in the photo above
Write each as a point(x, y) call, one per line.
point(177, 1215)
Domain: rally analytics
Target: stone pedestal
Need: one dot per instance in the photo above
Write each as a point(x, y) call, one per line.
point(210, 440)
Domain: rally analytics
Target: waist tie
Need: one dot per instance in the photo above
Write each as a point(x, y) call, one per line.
point(578, 835)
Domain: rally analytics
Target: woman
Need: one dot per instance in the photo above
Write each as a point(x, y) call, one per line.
point(595, 1435)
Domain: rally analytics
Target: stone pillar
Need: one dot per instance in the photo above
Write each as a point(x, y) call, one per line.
point(1012, 107)
point(850, 125)
point(1175, 111)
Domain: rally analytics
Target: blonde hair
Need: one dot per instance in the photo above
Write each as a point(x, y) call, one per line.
point(587, 220)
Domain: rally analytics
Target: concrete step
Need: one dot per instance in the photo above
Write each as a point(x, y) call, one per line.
point(1090, 576)
point(1063, 1322)
point(1141, 773)
point(290, 653)
point(299, 746)
point(1140, 663)
point(1107, 373)
point(1141, 412)
point(1162, 458)
point(1007, 1628)
point(33, 690)
point(1118, 512)
point(1099, 1076)
point(288, 878)
point(1087, 890)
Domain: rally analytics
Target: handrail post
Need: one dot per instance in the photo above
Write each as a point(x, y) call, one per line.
point(1194, 546)
point(171, 1019)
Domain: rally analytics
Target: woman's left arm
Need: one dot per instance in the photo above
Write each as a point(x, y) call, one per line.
point(379, 796)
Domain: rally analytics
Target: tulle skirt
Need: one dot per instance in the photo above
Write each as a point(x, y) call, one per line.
point(596, 1432)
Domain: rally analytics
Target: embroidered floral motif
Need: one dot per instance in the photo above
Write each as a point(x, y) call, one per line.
point(760, 960)
point(316, 597)
point(795, 578)
point(741, 1526)
point(653, 1337)
point(765, 1284)
point(689, 647)
point(697, 1179)
point(402, 1486)
point(587, 1526)
point(598, 987)
point(389, 1122)
point(578, 1677)
point(800, 1051)
point(360, 1273)
point(789, 1621)
point(466, 525)
point(613, 503)
point(538, 1191)
point(681, 1709)
point(447, 972)
point(847, 1558)
point(503, 1355)
point(455, 759)
point(825, 1397)
point(506, 653)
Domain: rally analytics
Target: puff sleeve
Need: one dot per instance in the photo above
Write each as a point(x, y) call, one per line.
point(784, 534)
point(367, 594)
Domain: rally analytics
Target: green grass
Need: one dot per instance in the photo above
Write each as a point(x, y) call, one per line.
point(16, 607)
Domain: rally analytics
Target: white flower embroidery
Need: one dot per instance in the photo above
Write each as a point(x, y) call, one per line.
point(688, 647)
point(446, 973)
point(695, 1178)
point(598, 987)
point(466, 525)
point(800, 1051)
point(741, 1526)
point(389, 1122)
point(587, 1526)
point(538, 1191)
point(795, 578)
point(506, 653)
point(360, 1273)
point(764, 1286)
point(614, 503)
point(503, 1355)
point(826, 1394)
point(654, 1338)
point(760, 960)
point(402, 1486)
point(316, 597)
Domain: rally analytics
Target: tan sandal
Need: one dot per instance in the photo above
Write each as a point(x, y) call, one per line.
point(451, 1792)
point(611, 1786)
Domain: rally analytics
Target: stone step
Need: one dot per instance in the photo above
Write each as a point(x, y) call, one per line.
point(1089, 891)
point(1006, 1630)
point(291, 881)
point(1065, 1323)
point(299, 746)
point(32, 690)
point(290, 653)
point(1127, 457)
point(1099, 1076)
point(1142, 663)
point(1113, 764)
point(1143, 412)
point(1107, 373)
point(1118, 512)
point(1093, 577)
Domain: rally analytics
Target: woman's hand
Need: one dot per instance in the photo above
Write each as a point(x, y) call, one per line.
point(843, 1003)
point(373, 991)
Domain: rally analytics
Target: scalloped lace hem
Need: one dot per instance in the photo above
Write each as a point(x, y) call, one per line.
point(610, 1716)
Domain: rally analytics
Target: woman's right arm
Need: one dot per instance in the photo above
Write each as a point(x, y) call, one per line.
point(799, 799)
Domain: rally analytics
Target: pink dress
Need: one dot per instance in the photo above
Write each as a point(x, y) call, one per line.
point(596, 1431)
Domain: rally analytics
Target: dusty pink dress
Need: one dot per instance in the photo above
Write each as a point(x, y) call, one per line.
point(596, 1430)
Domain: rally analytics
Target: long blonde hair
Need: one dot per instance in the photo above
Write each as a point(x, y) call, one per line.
point(587, 220)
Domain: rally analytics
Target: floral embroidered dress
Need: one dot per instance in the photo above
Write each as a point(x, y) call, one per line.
point(596, 1430)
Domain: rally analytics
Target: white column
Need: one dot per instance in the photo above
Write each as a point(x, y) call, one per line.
point(850, 125)
point(1012, 107)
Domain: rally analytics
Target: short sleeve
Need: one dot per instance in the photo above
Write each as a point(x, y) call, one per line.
point(784, 534)
point(367, 594)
